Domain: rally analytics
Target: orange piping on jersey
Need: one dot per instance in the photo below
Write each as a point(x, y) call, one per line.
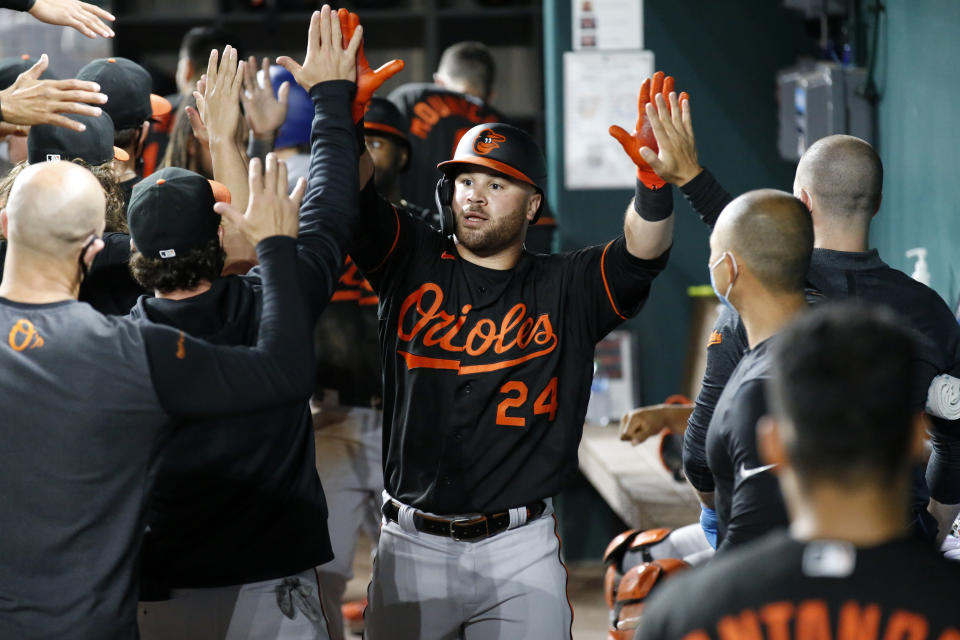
point(446, 255)
point(368, 300)
point(715, 338)
point(396, 239)
point(603, 274)
point(339, 296)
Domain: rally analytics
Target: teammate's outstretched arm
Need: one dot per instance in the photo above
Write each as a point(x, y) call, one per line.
point(649, 231)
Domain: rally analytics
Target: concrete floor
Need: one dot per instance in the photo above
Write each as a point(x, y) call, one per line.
point(585, 588)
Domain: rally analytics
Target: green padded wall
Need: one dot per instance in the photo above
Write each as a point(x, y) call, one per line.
point(919, 138)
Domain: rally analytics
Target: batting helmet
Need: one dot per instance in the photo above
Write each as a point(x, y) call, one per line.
point(295, 130)
point(497, 146)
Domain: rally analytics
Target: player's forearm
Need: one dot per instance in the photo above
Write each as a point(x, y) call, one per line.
point(706, 196)
point(647, 239)
point(329, 210)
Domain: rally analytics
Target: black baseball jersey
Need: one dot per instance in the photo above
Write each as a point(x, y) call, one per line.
point(438, 118)
point(238, 499)
point(783, 588)
point(89, 401)
point(747, 495)
point(487, 372)
point(725, 348)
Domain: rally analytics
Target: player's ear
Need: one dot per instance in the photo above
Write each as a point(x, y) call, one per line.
point(220, 235)
point(770, 442)
point(533, 203)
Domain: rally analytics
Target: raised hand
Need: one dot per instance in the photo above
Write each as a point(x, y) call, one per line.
point(643, 144)
point(85, 18)
point(30, 100)
point(219, 102)
point(265, 111)
point(368, 80)
point(326, 57)
point(270, 211)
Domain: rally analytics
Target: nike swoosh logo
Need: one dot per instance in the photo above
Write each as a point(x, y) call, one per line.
point(747, 473)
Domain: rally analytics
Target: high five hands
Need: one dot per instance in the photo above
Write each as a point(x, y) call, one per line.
point(327, 58)
point(662, 145)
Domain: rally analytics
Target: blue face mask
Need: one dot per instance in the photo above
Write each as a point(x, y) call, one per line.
point(713, 282)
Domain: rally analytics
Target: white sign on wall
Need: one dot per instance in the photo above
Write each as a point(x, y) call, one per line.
point(600, 89)
point(607, 24)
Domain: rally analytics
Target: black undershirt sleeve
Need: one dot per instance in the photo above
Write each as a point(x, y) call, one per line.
point(17, 5)
point(330, 207)
point(706, 196)
point(728, 343)
point(756, 506)
point(195, 378)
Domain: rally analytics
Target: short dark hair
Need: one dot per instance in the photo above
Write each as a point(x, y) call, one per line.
point(841, 376)
point(774, 235)
point(183, 272)
point(124, 137)
point(199, 41)
point(470, 62)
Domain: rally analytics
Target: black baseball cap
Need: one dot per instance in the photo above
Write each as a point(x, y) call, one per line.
point(128, 88)
point(94, 145)
point(503, 148)
point(171, 212)
point(12, 67)
point(382, 117)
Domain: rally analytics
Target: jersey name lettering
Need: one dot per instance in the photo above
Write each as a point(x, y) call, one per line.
point(423, 323)
point(430, 111)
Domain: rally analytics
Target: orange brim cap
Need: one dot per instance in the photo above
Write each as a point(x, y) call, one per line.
point(159, 106)
point(220, 191)
point(376, 126)
point(489, 163)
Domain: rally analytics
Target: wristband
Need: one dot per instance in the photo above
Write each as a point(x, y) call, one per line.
point(653, 205)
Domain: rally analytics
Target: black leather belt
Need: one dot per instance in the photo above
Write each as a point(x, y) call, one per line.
point(462, 529)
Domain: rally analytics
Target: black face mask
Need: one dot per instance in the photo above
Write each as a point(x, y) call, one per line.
point(83, 252)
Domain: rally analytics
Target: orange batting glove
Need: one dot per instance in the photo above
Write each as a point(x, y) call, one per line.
point(645, 134)
point(368, 80)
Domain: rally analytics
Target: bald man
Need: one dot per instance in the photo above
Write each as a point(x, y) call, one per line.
point(89, 399)
point(759, 255)
point(840, 179)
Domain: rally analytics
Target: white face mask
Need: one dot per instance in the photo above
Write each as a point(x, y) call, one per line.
point(713, 283)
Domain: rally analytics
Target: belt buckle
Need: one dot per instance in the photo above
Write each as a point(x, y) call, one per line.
point(464, 521)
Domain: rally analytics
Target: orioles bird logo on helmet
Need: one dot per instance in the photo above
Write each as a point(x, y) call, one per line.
point(487, 141)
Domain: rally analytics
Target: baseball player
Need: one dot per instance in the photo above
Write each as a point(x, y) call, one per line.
point(759, 255)
point(238, 512)
point(839, 178)
point(92, 398)
point(439, 113)
point(486, 350)
point(844, 435)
